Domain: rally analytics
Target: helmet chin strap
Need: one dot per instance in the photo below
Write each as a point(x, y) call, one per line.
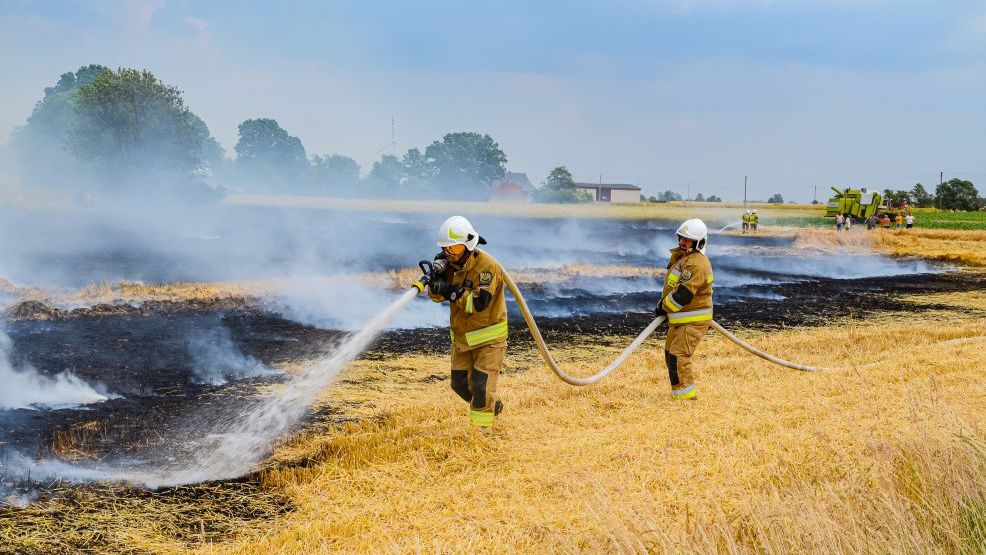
point(689, 249)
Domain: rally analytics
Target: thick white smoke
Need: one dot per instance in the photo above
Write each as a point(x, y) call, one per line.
point(25, 388)
point(216, 359)
point(343, 302)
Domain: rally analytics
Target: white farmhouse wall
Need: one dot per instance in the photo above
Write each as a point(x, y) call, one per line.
point(623, 195)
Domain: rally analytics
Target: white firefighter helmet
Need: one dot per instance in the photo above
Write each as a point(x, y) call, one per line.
point(695, 230)
point(754, 211)
point(748, 211)
point(458, 231)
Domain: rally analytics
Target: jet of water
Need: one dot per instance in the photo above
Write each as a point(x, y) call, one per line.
point(234, 444)
point(234, 448)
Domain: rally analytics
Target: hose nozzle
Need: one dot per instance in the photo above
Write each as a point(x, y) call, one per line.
point(427, 271)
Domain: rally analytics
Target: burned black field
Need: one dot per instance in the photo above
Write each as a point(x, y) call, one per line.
point(139, 354)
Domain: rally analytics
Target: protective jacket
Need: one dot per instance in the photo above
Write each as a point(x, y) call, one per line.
point(687, 294)
point(478, 314)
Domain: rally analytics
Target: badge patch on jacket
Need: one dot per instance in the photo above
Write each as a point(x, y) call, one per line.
point(485, 278)
point(686, 275)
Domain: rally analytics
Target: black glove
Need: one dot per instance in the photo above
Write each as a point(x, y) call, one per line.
point(659, 310)
point(440, 286)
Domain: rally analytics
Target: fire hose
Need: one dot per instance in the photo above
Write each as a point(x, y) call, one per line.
point(633, 346)
point(550, 361)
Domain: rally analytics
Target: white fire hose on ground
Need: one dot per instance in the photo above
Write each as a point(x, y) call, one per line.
point(546, 355)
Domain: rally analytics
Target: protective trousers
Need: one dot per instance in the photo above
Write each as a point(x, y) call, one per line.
point(474, 377)
point(681, 343)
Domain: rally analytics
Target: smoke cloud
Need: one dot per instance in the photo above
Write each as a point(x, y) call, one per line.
point(26, 388)
point(216, 360)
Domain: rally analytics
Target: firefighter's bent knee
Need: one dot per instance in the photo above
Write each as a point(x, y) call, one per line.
point(460, 384)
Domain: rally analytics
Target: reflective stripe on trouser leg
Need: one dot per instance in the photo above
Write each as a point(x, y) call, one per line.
point(685, 393)
point(481, 418)
point(681, 344)
point(487, 362)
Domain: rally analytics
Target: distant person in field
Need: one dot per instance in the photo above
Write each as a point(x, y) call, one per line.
point(849, 222)
point(839, 220)
point(746, 221)
point(472, 282)
point(899, 220)
point(909, 221)
point(871, 222)
point(885, 221)
point(686, 300)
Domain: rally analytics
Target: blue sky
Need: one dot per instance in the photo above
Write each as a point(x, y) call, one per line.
point(662, 93)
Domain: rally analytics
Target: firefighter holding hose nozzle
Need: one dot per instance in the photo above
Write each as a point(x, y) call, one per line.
point(472, 282)
point(687, 302)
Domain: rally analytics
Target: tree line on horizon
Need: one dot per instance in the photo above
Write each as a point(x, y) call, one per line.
point(126, 133)
point(954, 194)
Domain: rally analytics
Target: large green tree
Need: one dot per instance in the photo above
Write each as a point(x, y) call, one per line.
point(897, 198)
point(131, 128)
point(211, 153)
point(560, 179)
point(559, 186)
point(465, 163)
point(387, 174)
point(41, 145)
point(268, 156)
point(958, 194)
point(921, 196)
point(335, 173)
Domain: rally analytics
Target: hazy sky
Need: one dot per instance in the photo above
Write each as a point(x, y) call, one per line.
point(661, 93)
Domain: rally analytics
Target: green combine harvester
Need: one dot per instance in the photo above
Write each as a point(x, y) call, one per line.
point(854, 202)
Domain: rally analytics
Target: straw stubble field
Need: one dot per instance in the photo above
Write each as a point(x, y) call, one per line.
point(884, 457)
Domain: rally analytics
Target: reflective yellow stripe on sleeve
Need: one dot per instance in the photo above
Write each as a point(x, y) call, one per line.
point(487, 334)
point(703, 315)
point(469, 307)
point(673, 276)
point(671, 305)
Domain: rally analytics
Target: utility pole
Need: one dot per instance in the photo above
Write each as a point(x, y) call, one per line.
point(814, 197)
point(393, 136)
point(744, 191)
point(689, 196)
point(941, 183)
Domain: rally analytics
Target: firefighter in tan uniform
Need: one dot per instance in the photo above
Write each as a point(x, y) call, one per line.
point(687, 302)
point(472, 282)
